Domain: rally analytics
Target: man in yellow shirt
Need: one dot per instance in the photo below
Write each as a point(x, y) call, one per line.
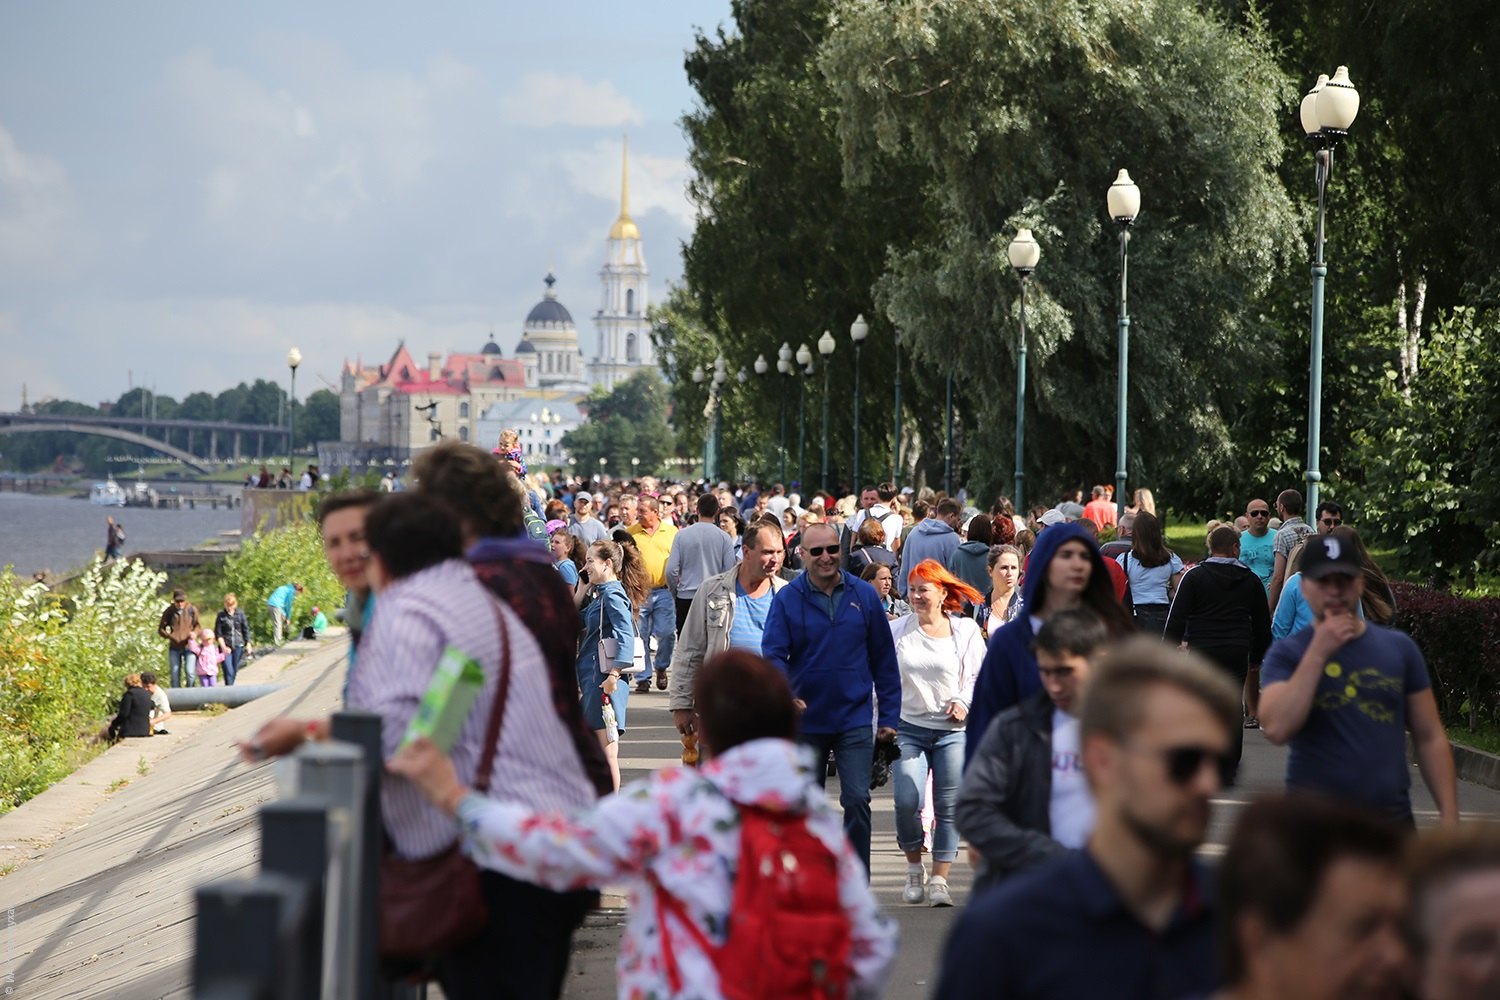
point(654, 538)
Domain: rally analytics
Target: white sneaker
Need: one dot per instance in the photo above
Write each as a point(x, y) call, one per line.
point(915, 890)
point(937, 893)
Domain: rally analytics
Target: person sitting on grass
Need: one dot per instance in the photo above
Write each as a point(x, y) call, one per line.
point(161, 708)
point(134, 716)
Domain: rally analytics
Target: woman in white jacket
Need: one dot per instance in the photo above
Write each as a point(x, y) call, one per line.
point(939, 652)
point(675, 837)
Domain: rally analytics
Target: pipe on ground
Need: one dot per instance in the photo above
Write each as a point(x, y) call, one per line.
point(233, 697)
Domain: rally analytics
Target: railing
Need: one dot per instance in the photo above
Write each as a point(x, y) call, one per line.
point(308, 925)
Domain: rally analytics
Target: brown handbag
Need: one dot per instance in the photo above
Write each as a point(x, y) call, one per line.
point(430, 906)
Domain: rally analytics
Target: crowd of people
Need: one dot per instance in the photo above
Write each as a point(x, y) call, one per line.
point(1067, 708)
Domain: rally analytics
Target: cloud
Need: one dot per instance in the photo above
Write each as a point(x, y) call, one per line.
point(40, 236)
point(545, 99)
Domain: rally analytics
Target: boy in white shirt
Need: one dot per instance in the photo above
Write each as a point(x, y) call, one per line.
point(161, 708)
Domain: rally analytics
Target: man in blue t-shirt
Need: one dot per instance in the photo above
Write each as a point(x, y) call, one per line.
point(1258, 542)
point(1344, 692)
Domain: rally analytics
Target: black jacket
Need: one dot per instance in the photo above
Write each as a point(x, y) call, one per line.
point(1004, 802)
point(1221, 605)
point(233, 629)
point(134, 718)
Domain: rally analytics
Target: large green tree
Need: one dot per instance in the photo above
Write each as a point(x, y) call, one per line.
point(1024, 112)
point(627, 422)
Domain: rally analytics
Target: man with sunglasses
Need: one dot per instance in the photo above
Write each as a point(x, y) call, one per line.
point(1128, 916)
point(1344, 692)
point(1024, 798)
point(1328, 516)
point(828, 632)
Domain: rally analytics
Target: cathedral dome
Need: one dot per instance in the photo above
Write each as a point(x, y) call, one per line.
point(525, 347)
point(549, 310)
point(490, 346)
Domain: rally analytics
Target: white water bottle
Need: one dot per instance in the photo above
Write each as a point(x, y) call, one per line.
point(611, 727)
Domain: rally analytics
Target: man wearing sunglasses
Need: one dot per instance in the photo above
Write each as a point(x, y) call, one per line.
point(829, 634)
point(1127, 917)
point(1344, 693)
point(1328, 516)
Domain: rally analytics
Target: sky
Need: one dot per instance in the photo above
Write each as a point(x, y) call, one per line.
point(189, 190)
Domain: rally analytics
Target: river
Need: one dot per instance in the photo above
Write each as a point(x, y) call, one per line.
point(59, 534)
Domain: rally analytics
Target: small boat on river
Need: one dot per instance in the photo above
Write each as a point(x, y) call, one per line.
point(107, 494)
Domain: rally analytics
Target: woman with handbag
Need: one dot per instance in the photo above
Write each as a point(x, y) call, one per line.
point(617, 587)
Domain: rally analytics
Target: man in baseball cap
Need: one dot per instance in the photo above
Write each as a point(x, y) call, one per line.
point(1344, 692)
point(585, 524)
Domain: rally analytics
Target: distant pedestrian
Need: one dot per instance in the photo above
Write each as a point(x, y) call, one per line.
point(881, 577)
point(658, 617)
point(234, 634)
point(970, 562)
point(614, 595)
point(699, 551)
point(584, 524)
point(1100, 509)
point(934, 538)
point(1004, 601)
point(1152, 572)
point(280, 605)
point(178, 625)
point(114, 536)
point(1220, 613)
point(208, 654)
point(1291, 533)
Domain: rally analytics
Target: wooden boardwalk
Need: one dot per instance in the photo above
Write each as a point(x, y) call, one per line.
point(107, 909)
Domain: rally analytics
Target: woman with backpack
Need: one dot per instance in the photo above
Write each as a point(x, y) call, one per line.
point(742, 883)
point(939, 651)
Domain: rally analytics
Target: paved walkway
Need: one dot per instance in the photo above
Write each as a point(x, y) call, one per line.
point(101, 898)
point(101, 874)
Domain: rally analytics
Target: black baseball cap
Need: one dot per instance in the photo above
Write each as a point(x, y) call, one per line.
point(1326, 555)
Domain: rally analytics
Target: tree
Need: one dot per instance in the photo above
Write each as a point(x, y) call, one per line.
point(627, 422)
point(1024, 113)
point(318, 418)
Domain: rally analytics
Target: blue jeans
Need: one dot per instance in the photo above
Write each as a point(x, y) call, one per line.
point(659, 621)
point(183, 665)
point(942, 752)
point(232, 661)
point(854, 753)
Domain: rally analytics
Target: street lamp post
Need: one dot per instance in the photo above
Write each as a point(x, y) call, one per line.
point(858, 331)
point(804, 362)
point(717, 400)
point(826, 345)
point(1124, 201)
point(1024, 254)
point(762, 366)
point(293, 359)
point(784, 366)
point(896, 439)
point(1326, 112)
point(948, 435)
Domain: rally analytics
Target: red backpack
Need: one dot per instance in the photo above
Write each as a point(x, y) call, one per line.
point(789, 935)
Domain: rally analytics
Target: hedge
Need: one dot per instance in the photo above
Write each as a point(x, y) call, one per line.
point(1460, 638)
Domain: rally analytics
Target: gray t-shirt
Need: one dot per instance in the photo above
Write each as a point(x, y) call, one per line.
point(591, 531)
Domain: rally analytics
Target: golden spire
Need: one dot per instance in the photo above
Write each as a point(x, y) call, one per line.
point(624, 227)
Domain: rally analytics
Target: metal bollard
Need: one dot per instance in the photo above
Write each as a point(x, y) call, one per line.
point(335, 772)
point(295, 841)
point(363, 729)
point(247, 937)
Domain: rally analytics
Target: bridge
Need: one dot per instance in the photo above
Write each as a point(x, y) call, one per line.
point(196, 441)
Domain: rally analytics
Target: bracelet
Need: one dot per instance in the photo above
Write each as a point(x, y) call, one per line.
point(313, 730)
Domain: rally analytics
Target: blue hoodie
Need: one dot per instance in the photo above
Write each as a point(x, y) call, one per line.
point(933, 538)
point(834, 665)
point(1009, 674)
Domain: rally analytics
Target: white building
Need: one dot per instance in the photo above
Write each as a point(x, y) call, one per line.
point(624, 337)
point(541, 423)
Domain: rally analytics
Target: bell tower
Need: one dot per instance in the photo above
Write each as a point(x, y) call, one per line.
point(623, 336)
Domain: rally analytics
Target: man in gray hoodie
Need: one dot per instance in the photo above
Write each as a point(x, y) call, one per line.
point(934, 538)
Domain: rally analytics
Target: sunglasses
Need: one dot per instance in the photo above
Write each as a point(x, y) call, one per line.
point(820, 550)
point(1332, 522)
point(1184, 763)
point(1258, 513)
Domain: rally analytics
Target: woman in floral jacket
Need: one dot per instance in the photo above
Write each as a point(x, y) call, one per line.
point(678, 829)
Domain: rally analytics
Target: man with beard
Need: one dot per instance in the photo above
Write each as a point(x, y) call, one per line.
point(1126, 917)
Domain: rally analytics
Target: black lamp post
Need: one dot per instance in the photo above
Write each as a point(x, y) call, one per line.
point(1124, 201)
point(1024, 255)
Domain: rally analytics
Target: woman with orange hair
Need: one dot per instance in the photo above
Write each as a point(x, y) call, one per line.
point(939, 652)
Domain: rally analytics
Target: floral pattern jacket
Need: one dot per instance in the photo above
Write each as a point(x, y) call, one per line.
point(678, 829)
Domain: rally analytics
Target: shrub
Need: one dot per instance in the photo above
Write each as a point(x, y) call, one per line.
point(61, 666)
point(269, 559)
point(1460, 638)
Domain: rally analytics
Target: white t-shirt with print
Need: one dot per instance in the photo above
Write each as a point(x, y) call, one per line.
point(1071, 809)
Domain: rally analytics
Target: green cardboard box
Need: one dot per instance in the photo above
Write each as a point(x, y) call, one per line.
point(445, 705)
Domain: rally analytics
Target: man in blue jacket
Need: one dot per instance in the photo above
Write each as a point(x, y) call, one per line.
point(826, 630)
